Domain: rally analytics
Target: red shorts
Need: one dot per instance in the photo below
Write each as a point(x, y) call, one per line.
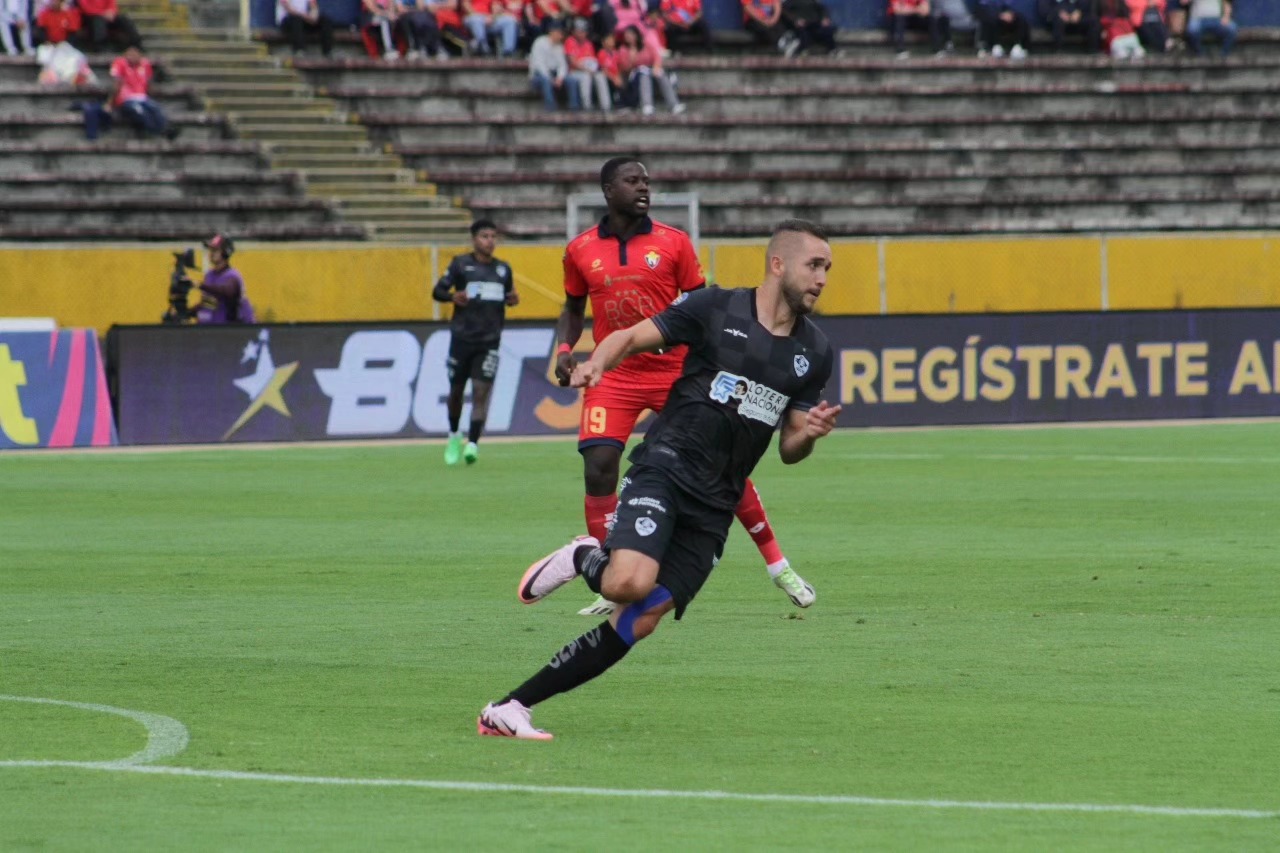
point(611, 409)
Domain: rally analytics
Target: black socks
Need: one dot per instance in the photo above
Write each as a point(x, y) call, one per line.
point(574, 665)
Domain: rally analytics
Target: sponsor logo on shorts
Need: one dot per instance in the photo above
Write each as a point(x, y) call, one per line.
point(652, 503)
point(645, 526)
point(756, 401)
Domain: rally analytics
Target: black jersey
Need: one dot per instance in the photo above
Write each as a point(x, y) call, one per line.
point(487, 286)
point(739, 381)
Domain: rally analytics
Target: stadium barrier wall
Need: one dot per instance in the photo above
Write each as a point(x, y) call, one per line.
point(53, 391)
point(294, 382)
point(101, 287)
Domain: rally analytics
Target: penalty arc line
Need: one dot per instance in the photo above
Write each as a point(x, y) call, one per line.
point(644, 793)
point(166, 737)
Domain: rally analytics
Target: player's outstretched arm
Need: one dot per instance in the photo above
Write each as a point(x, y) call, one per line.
point(801, 430)
point(642, 337)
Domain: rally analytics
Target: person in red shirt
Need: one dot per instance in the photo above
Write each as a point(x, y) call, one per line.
point(57, 23)
point(684, 22)
point(131, 76)
point(584, 68)
point(103, 21)
point(763, 19)
point(916, 14)
point(632, 267)
point(607, 57)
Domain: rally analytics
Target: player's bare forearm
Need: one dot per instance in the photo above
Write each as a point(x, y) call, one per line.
point(802, 430)
point(568, 332)
point(642, 337)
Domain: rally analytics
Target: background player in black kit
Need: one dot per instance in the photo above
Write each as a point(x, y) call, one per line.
point(755, 362)
point(480, 288)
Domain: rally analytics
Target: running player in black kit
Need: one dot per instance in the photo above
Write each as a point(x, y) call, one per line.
point(480, 288)
point(755, 362)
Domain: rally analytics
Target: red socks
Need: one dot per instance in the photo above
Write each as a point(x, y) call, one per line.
point(599, 512)
point(751, 513)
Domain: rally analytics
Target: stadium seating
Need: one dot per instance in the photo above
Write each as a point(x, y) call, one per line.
point(862, 142)
point(1058, 143)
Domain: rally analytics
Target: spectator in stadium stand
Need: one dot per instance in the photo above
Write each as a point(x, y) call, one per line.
point(635, 13)
point(1078, 16)
point(419, 30)
point(57, 22)
point(584, 68)
point(487, 19)
point(1211, 17)
point(15, 20)
point(1176, 18)
point(1118, 35)
point(130, 98)
point(453, 33)
point(916, 14)
point(607, 56)
point(763, 19)
point(297, 18)
point(641, 65)
point(539, 15)
point(549, 70)
point(810, 22)
point(1148, 19)
point(103, 21)
point(685, 24)
point(999, 21)
point(953, 16)
point(377, 23)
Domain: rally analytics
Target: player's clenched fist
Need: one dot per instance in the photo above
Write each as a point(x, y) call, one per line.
point(564, 368)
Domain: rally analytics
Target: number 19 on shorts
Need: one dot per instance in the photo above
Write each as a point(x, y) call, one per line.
point(593, 419)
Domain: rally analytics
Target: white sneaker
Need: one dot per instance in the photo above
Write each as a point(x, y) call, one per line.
point(678, 109)
point(510, 719)
point(997, 52)
point(646, 111)
point(551, 572)
point(391, 56)
point(902, 54)
point(1018, 52)
point(796, 588)
point(600, 607)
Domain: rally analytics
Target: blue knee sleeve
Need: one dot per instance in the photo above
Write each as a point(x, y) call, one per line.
point(627, 620)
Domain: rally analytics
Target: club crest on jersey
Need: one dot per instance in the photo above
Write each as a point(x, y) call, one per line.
point(756, 401)
point(651, 259)
point(801, 364)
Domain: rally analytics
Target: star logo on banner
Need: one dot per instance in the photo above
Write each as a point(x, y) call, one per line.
point(265, 385)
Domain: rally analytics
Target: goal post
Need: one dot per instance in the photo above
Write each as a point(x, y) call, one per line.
point(581, 209)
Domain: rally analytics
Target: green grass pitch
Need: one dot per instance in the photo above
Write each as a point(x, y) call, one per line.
point(1014, 617)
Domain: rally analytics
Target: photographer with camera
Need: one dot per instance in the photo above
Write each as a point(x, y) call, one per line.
point(223, 298)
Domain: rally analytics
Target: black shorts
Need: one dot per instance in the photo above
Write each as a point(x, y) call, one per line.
point(477, 361)
point(660, 520)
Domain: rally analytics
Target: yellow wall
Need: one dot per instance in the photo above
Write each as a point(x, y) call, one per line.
point(97, 287)
point(967, 276)
point(1194, 271)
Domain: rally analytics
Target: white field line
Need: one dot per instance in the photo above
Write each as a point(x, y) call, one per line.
point(167, 737)
point(1061, 457)
point(335, 444)
point(648, 793)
